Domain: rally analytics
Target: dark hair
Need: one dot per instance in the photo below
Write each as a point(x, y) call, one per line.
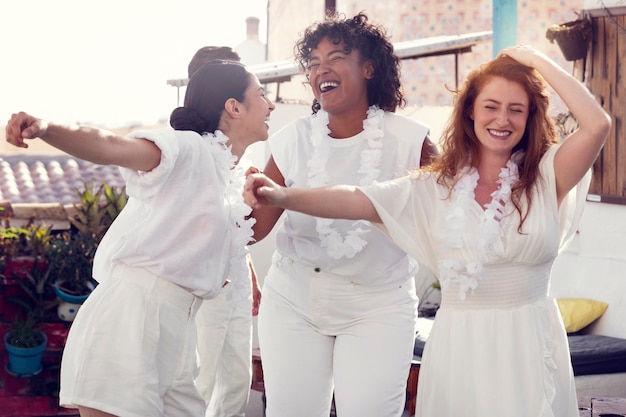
point(460, 145)
point(207, 91)
point(210, 53)
point(385, 88)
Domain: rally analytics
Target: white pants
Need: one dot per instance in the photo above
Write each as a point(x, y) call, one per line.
point(225, 354)
point(131, 349)
point(320, 333)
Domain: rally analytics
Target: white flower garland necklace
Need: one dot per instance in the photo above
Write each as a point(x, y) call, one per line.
point(338, 246)
point(240, 223)
point(467, 275)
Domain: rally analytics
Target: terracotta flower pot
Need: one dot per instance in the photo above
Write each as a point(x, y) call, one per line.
point(572, 37)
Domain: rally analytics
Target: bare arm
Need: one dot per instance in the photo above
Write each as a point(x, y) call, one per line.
point(335, 202)
point(429, 152)
point(581, 148)
point(256, 289)
point(91, 144)
point(267, 216)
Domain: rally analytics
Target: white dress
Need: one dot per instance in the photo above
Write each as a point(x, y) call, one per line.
point(498, 346)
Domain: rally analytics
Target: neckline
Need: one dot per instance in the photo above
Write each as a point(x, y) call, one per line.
point(466, 273)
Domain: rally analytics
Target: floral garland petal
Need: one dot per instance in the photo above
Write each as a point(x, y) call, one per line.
point(240, 223)
point(466, 275)
point(338, 246)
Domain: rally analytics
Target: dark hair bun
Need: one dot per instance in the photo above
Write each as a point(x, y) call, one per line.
point(184, 118)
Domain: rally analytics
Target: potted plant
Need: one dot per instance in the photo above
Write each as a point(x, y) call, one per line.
point(71, 254)
point(25, 342)
point(572, 37)
point(71, 261)
point(21, 249)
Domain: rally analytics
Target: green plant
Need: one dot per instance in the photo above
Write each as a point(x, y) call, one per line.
point(71, 253)
point(37, 286)
point(25, 333)
point(90, 213)
point(71, 261)
point(32, 240)
point(117, 201)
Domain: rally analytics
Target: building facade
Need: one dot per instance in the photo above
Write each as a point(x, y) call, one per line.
point(425, 80)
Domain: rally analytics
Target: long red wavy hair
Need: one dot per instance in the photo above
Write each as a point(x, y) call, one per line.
point(460, 147)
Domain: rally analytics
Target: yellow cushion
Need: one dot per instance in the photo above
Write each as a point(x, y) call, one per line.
point(578, 313)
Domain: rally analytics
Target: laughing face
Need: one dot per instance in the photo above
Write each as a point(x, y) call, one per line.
point(338, 78)
point(500, 113)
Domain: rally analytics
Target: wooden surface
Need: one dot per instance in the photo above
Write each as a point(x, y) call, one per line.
point(602, 73)
point(602, 407)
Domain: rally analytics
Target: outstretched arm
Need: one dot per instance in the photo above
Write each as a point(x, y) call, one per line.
point(88, 143)
point(335, 202)
point(581, 148)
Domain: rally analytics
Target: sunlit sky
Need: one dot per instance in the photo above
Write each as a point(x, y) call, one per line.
point(108, 62)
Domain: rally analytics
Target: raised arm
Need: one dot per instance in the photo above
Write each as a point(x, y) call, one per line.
point(581, 148)
point(88, 143)
point(335, 202)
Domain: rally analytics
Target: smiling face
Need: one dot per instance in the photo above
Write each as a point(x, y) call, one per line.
point(500, 113)
point(338, 78)
point(245, 122)
point(258, 108)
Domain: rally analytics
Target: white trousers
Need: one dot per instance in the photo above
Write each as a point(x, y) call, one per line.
point(131, 349)
point(320, 333)
point(225, 354)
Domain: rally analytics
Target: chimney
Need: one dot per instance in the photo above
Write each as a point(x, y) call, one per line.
point(252, 25)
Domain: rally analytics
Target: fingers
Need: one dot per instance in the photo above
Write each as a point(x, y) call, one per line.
point(253, 170)
point(524, 54)
point(256, 189)
point(23, 126)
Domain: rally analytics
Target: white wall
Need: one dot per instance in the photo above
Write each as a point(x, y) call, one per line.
point(594, 266)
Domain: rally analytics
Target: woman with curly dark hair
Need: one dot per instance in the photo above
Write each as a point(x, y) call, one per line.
point(339, 304)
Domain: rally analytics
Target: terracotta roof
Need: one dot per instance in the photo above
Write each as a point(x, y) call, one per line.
point(51, 178)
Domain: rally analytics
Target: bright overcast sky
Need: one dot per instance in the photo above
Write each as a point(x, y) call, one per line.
point(108, 62)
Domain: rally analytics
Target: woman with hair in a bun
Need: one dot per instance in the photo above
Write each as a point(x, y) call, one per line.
point(183, 232)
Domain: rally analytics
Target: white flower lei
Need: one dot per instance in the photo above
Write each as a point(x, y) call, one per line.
point(452, 271)
point(240, 224)
point(338, 246)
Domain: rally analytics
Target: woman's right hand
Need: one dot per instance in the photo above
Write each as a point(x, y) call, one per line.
point(24, 126)
point(259, 191)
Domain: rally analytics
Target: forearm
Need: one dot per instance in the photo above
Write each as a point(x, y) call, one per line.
point(86, 143)
point(335, 202)
point(266, 218)
point(102, 146)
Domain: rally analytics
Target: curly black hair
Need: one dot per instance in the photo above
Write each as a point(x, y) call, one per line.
point(385, 88)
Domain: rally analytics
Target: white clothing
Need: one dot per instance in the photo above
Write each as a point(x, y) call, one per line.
point(224, 326)
point(381, 261)
point(184, 228)
point(178, 223)
point(120, 359)
point(320, 332)
point(503, 349)
point(325, 324)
